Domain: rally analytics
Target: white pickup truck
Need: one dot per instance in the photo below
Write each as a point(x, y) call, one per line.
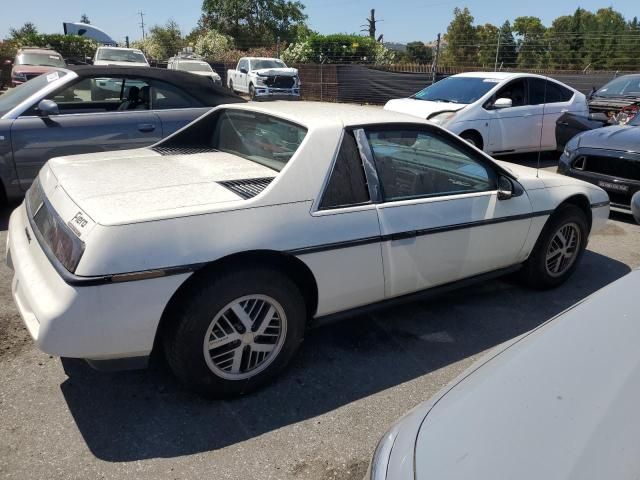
point(264, 78)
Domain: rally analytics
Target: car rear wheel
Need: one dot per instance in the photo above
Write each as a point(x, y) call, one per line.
point(558, 249)
point(236, 332)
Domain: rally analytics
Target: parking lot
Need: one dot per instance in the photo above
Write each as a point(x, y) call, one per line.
point(320, 420)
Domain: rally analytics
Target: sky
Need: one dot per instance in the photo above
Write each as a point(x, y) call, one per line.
point(402, 20)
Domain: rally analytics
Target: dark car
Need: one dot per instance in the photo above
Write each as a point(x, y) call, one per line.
point(616, 103)
point(32, 62)
point(94, 108)
point(608, 157)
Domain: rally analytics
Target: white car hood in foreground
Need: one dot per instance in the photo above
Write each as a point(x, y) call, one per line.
point(421, 108)
point(561, 403)
point(133, 185)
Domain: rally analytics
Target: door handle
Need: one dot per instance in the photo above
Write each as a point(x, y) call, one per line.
point(146, 127)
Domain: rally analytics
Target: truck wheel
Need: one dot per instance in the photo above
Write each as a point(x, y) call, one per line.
point(252, 92)
point(235, 332)
point(231, 86)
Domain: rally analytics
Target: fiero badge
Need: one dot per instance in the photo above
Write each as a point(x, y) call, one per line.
point(78, 223)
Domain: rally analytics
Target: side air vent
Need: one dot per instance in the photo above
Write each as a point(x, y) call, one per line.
point(248, 188)
point(181, 150)
point(580, 162)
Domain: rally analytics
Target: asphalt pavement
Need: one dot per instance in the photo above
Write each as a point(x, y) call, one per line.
point(320, 420)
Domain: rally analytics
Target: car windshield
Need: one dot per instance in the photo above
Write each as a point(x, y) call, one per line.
point(14, 97)
point(194, 67)
point(457, 90)
point(627, 85)
point(114, 55)
point(260, 64)
point(42, 59)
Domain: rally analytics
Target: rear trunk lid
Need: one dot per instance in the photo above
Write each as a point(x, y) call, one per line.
point(136, 185)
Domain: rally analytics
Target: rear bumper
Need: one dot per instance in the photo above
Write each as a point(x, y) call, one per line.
point(100, 322)
point(620, 190)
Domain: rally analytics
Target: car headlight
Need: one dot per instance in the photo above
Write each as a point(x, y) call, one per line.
point(20, 76)
point(380, 459)
point(442, 117)
point(261, 81)
point(570, 147)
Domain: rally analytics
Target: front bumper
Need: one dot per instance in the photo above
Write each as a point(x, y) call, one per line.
point(263, 93)
point(619, 189)
point(99, 322)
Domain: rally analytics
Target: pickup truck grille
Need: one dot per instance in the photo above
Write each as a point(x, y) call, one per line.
point(248, 188)
point(280, 82)
point(611, 166)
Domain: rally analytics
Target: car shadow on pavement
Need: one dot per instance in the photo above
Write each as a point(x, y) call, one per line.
point(128, 416)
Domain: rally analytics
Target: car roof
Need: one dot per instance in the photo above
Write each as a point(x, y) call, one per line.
point(500, 75)
point(119, 48)
point(197, 86)
point(37, 50)
point(321, 114)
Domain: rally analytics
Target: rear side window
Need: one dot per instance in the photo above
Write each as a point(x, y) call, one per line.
point(166, 96)
point(347, 185)
point(542, 91)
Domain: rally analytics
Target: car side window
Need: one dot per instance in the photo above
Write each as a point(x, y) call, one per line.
point(544, 91)
point(165, 96)
point(243, 64)
point(516, 91)
point(414, 163)
point(347, 185)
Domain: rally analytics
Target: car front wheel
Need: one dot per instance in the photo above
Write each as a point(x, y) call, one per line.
point(236, 332)
point(558, 249)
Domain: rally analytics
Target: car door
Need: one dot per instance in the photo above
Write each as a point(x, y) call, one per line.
point(513, 128)
point(95, 114)
point(174, 106)
point(243, 78)
point(440, 217)
point(556, 100)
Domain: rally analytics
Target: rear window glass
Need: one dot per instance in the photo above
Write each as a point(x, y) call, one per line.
point(261, 138)
point(541, 91)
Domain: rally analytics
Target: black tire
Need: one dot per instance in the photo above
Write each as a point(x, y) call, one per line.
point(252, 92)
point(535, 271)
point(473, 138)
point(210, 297)
point(231, 86)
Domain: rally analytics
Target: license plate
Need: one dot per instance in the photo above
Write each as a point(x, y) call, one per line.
point(614, 186)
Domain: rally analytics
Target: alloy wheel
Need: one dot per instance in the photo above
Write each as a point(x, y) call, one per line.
point(563, 249)
point(245, 337)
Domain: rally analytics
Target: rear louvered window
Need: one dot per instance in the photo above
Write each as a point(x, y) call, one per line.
point(247, 188)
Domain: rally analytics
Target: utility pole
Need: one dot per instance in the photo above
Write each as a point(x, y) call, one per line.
point(126, 41)
point(370, 26)
point(434, 67)
point(141, 13)
point(495, 65)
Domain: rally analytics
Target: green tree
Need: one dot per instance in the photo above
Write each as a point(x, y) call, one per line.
point(84, 19)
point(418, 52)
point(531, 43)
point(26, 30)
point(162, 42)
point(487, 35)
point(507, 49)
point(213, 45)
point(254, 22)
point(461, 38)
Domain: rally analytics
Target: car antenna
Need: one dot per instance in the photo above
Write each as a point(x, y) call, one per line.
point(544, 104)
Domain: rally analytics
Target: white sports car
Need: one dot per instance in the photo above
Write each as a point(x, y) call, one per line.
point(498, 112)
point(220, 244)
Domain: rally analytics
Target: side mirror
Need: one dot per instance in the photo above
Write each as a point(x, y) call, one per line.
point(47, 108)
point(243, 70)
point(505, 188)
point(502, 103)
